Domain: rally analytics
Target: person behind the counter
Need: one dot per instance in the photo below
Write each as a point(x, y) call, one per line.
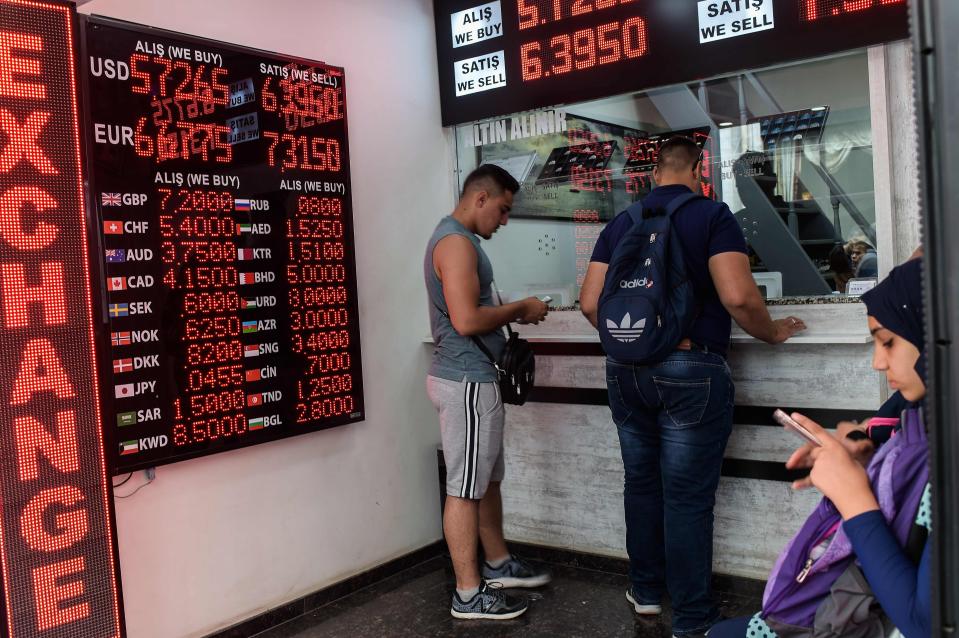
point(675, 417)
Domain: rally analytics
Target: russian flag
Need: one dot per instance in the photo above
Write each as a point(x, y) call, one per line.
point(241, 204)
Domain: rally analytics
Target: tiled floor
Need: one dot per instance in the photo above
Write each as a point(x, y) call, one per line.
point(578, 603)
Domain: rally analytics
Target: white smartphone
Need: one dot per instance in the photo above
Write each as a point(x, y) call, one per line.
point(791, 424)
point(547, 300)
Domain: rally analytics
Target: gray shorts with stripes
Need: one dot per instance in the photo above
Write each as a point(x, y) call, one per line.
point(471, 422)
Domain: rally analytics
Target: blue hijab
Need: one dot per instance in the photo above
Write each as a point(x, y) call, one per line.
point(896, 303)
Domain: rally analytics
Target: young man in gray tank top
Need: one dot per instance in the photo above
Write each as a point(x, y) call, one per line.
point(463, 386)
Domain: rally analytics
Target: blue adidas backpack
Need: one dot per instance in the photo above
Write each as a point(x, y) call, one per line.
point(647, 305)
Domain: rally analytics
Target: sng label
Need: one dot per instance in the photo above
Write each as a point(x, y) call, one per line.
point(482, 73)
point(477, 24)
point(721, 19)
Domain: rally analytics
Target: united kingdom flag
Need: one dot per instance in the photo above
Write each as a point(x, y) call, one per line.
point(110, 199)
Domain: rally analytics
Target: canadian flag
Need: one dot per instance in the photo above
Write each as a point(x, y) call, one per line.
point(116, 283)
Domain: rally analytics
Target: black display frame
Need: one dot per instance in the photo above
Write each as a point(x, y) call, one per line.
point(934, 24)
point(98, 266)
point(675, 54)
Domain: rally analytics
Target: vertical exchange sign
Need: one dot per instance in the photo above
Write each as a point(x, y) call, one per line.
point(57, 544)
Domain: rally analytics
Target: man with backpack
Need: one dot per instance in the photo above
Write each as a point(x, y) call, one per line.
point(462, 384)
point(664, 281)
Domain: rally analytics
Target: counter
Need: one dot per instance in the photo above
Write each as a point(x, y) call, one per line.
point(564, 477)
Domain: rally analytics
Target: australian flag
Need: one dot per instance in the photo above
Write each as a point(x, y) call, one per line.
point(116, 255)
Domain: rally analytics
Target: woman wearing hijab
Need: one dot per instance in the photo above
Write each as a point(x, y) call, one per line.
point(902, 588)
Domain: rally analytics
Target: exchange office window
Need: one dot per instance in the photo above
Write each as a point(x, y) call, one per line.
point(789, 149)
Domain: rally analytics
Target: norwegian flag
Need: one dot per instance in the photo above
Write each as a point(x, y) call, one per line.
point(110, 199)
point(253, 400)
point(120, 338)
point(122, 365)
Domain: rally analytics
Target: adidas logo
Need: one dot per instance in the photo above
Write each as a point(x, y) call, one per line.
point(626, 331)
point(636, 283)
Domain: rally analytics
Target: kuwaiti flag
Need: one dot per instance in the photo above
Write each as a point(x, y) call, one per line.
point(129, 447)
point(252, 350)
point(116, 283)
point(241, 204)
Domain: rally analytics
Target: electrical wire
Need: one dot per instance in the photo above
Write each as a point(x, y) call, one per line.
point(136, 490)
point(124, 481)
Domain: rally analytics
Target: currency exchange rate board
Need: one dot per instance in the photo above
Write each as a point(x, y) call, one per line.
point(220, 178)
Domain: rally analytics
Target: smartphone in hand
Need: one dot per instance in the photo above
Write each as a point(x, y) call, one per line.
point(791, 424)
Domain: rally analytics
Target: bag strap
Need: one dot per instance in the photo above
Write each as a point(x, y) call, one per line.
point(479, 342)
point(679, 202)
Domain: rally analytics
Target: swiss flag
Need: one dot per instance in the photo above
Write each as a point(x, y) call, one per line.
point(116, 283)
point(112, 228)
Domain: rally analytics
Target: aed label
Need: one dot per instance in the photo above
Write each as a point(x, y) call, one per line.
point(482, 73)
point(484, 22)
point(721, 19)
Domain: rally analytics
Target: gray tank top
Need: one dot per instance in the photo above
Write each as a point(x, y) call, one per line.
point(457, 358)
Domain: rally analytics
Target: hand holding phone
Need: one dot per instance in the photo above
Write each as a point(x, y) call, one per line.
point(547, 300)
point(791, 424)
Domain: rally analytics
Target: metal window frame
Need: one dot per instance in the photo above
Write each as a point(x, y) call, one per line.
point(935, 35)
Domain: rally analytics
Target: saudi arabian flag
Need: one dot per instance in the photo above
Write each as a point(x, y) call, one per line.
point(255, 424)
point(129, 447)
point(126, 418)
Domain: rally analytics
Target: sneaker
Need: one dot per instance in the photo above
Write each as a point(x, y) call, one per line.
point(489, 603)
point(642, 609)
point(515, 573)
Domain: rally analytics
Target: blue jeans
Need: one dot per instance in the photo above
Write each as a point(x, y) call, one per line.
point(674, 419)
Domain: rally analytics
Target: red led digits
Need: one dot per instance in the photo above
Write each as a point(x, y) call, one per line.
point(321, 341)
point(203, 328)
point(323, 409)
point(322, 206)
point(217, 352)
point(303, 152)
point(533, 13)
point(817, 9)
point(219, 377)
point(584, 49)
point(211, 302)
point(187, 140)
point(195, 201)
point(314, 229)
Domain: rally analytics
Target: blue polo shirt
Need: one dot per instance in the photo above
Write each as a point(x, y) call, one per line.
point(704, 228)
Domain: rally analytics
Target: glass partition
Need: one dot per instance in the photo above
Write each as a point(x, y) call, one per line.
point(789, 149)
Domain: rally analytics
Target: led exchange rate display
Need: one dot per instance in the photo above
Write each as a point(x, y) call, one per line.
point(508, 56)
point(221, 180)
point(57, 543)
